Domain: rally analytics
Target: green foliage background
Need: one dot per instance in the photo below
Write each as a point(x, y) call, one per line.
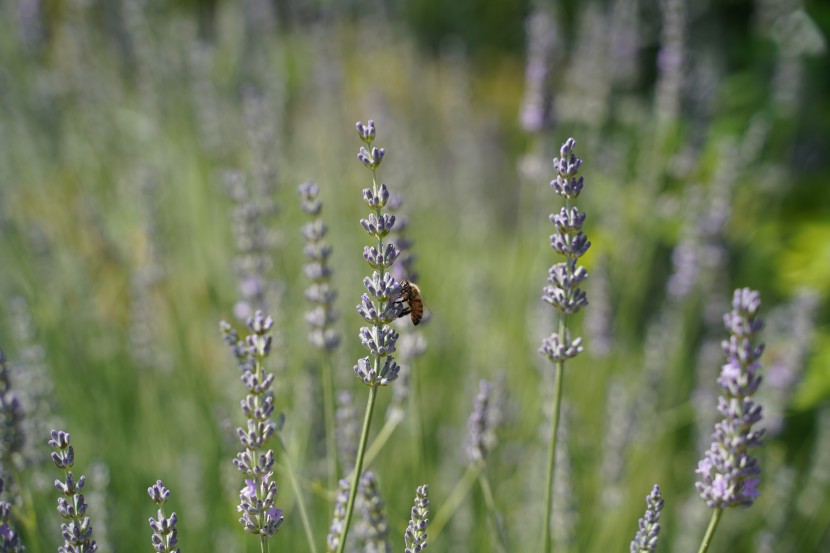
point(107, 99)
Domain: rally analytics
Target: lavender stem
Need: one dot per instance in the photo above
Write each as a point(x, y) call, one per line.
point(493, 512)
point(358, 466)
point(710, 530)
point(450, 506)
point(309, 533)
point(554, 431)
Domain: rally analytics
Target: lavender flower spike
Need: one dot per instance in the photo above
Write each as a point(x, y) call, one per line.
point(480, 436)
point(257, 498)
point(9, 538)
point(564, 294)
point(564, 278)
point(379, 306)
point(645, 540)
point(375, 528)
point(320, 292)
point(165, 536)
point(77, 531)
point(728, 474)
point(415, 537)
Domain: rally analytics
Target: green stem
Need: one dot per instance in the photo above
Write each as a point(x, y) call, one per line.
point(328, 415)
point(554, 430)
point(309, 534)
point(495, 516)
point(710, 530)
point(263, 544)
point(452, 503)
point(358, 467)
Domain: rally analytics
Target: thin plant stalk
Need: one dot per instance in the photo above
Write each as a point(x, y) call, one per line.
point(358, 466)
point(559, 369)
point(710, 530)
point(309, 533)
point(392, 423)
point(450, 506)
point(328, 415)
point(498, 521)
point(380, 440)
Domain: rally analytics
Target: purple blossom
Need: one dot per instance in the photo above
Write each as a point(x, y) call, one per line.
point(322, 316)
point(379, 307)
point(257, 498)
point(645, 540)
point(415, 536)
point(9, 538)
point(77, 530)
point(535, 112)
point(374, 527)
point(11, 414)
point(165, 535)
point(728, 474)
point(564, 278)
point(480, 435)
point(339, 518)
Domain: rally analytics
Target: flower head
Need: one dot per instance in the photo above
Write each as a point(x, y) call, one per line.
point(415, 537)
point(380, 305)
point(77, 530)
point(728, 473)
point(320, 293)
point(257, 497)
point(165, 536)
point(645, 541)
point(565, 277)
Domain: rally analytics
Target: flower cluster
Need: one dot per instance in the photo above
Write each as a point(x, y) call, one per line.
point(535, 113)
point(320, 292)
point(165, 536)
point(375, 528)
point(404, 268)
point(412, 343)
point(564, 278)
point(415, 537)
point(379, 307)
point(11, 419)
point(9, 538)
point(480, 433)
point(348, 429)
point(257, 498)
point(645, 540)
point(77, 531)
point(339, 518)
point(728, 474)
point(252, 262)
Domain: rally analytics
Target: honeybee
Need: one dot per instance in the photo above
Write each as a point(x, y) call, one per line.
point(411, 296)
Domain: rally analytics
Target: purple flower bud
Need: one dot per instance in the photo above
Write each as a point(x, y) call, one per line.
point(557, 349)
point(366, 133)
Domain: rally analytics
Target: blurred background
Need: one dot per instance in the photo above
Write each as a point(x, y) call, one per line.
point(150, 154)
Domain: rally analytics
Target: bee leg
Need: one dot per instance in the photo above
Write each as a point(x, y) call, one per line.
point(405, 312)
